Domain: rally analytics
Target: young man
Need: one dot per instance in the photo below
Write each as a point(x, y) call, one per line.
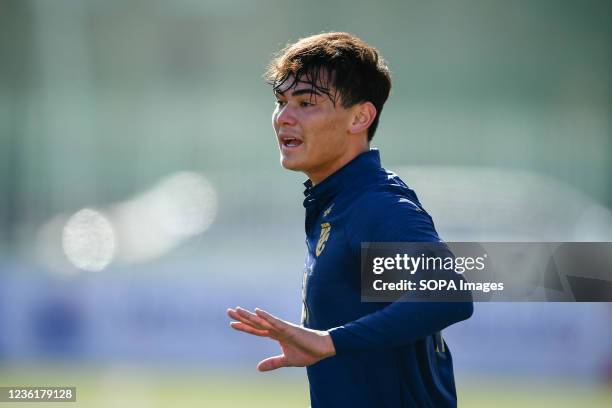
point(330, 90)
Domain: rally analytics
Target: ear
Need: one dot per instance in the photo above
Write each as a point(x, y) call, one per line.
point(364, 115)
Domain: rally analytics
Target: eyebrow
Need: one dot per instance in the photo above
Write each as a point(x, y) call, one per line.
point(299, 92)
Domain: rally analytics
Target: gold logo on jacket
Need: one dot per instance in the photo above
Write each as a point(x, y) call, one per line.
point(325, 229)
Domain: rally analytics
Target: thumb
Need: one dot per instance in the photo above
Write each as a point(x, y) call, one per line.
point(272, 363)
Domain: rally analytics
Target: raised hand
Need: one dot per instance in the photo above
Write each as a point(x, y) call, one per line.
point(300, 346)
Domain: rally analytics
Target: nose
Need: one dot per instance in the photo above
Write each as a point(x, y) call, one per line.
point(284, 115)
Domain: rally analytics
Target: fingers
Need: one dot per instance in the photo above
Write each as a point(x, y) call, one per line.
point(262, 324)
point(262, 313)
point(248, 329)
point(276, 323)
point(272, 363)
point(249, 318)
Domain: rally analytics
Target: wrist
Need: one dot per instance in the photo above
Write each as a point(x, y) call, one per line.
point(329, 350)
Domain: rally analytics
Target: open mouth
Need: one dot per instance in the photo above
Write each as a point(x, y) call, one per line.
point(290, 142)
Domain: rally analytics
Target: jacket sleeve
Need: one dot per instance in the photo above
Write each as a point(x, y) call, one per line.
point(398, 324)
point(394, 218)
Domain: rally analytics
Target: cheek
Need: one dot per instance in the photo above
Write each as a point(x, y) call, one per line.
point(332, 134)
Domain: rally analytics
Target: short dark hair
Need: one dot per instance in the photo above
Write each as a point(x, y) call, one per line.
point(354, 69)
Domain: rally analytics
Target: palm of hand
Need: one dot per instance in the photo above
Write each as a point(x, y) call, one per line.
point(295, 356)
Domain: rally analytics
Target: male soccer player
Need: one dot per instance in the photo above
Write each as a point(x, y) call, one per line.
point(330, 90)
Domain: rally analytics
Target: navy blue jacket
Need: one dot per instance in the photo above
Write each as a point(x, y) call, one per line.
point(387, 354)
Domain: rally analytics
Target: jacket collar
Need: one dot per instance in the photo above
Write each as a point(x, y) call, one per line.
point(366, 164)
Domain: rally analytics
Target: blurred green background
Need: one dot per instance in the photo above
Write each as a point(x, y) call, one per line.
point(153, 115)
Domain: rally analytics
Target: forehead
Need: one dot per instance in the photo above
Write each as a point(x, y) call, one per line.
point(318, 84)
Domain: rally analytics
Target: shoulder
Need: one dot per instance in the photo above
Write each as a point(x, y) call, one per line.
point(380, 199)
point(390, 211)
point(388, 193)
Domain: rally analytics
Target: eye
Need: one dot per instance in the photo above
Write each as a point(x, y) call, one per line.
point(306, 104)
point(280, 103)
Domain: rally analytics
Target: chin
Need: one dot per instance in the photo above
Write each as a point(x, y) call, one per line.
point(289, 164)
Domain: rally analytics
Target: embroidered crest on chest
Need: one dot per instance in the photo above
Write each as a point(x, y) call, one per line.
point(325, 230)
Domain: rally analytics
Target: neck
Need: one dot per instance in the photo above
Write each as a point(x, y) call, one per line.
point(317, 177)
